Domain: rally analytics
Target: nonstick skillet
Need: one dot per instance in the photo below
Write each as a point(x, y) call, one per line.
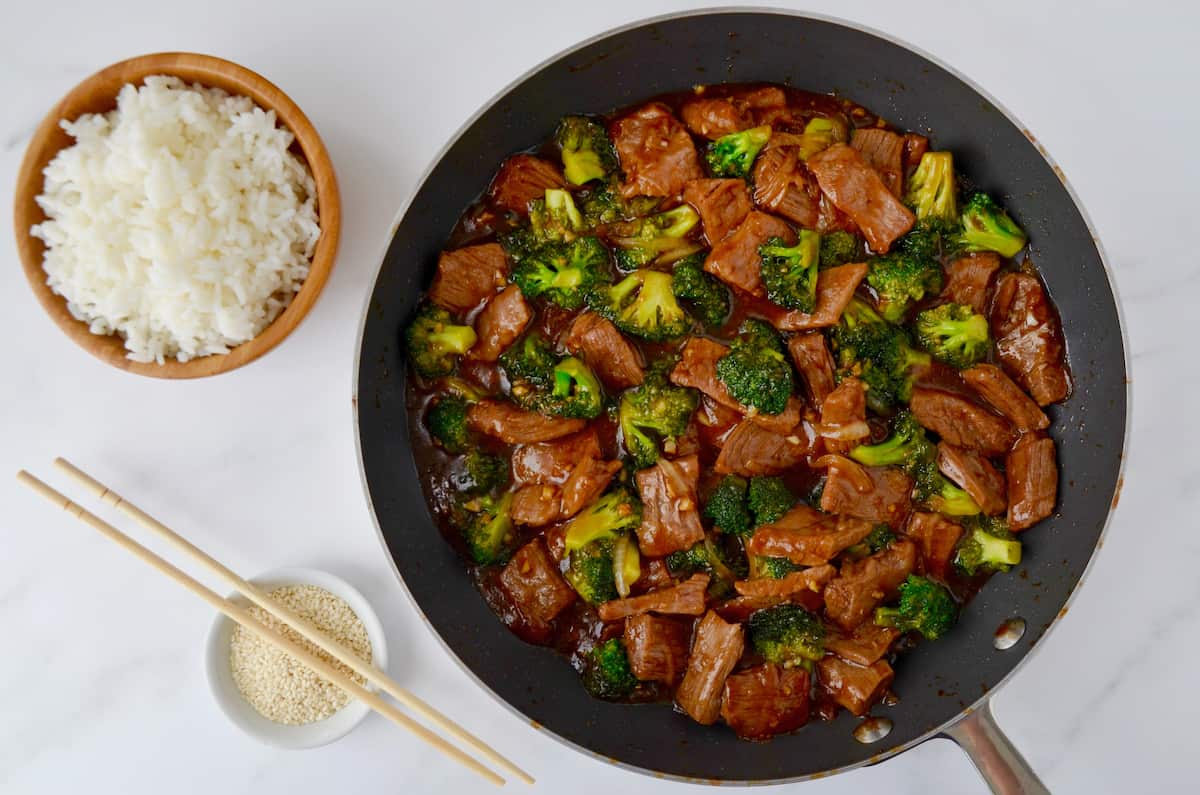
point(943, 686)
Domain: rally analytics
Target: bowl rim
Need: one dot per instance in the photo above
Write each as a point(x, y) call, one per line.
point(241, 714)
point(208, 70)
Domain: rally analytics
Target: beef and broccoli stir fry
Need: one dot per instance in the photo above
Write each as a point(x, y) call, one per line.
point(724, 395)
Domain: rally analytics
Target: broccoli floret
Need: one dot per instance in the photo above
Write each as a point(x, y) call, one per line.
point(706, 556)
point(790, 272)
point(931, 189)
point(906, 447)
point(727, 507)
point(880, 537)
point(706, 295)
point(756, 371)
point(435, 341)
point(590, 572)
point(563, 272)
point(479, 473)
point(642, 305)
point(447, 422)
point(988, 546)
point(530, 362)
point(652, 413)
point(987, 227)
point(935, 490)
point(606, 674)
point(773, 568)
point(487, 527)
point(820, 133)
point(603, 204)
point(605, 519)
point(769, 499)
point(924, 607)
point(587, 151)
point(900, 278)
point(656, 238)
point(732, 155)
point(787, 635)
point(555, 218)
point(953, 334)
point(575, 392)
point(838, 248)
point(879, 353)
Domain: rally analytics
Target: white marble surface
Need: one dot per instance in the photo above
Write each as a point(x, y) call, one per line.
point(101, 683)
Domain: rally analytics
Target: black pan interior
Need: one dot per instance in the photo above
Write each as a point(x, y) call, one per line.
point(938, 680)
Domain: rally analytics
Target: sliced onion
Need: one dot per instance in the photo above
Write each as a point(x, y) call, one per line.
point(627, 564)
point(844, 432)
point(674, 477)
point(859, 478)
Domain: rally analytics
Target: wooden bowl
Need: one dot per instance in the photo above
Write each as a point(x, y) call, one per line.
point(98, 94)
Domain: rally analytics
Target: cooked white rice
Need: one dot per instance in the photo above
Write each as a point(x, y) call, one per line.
point(179, 221)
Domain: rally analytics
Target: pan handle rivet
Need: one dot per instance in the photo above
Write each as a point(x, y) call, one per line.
point(1008, 633)
point(872, 730)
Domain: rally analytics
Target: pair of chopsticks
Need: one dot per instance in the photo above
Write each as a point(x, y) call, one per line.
point(242, 617)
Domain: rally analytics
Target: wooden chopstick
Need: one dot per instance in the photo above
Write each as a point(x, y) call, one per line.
point(242, 617)
point(307, 630)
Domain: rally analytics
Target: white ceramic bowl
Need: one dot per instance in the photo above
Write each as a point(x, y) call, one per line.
point(244, 716)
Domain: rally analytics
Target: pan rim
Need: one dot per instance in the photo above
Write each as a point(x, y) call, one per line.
point(934, 733)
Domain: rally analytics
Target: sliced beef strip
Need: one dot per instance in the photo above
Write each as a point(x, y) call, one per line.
point(961, 421)
point(615, 359)
point(657, 647)
point(722, 203)
point(879, 494)
point(1029, 339)
point(807, 537)
point(716, 648)
point(521, 179)
point(1006, 397)
point(814, 579)
point(740, 608)
point(857, 190)
point(866, 644)
point(915, 147)
point(810, 353)
point(1032, 481)
point(466, 277)
point(831, 219)
point(697, 368)
point(670, 506)
point(684, 599)
point(854, 687)
point(536, 505)
point(552, 462)
point(532, 582)
point(714, 118)
point(968, 278)
point(844, 417)
point(936, 537)
point(752, 449)
point(500, 323)
point(766, 700)
point(656, 152)
point(783, 185)
point(884, 151)
point(514, 425)
point(587, 481)
point(864, 584)
point(735, 260)
point(835, 288)
point(975, 475)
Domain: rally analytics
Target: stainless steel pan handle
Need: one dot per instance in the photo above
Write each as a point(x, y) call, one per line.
point(997, 760)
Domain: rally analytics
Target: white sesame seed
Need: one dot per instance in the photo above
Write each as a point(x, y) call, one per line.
point(277, 685)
